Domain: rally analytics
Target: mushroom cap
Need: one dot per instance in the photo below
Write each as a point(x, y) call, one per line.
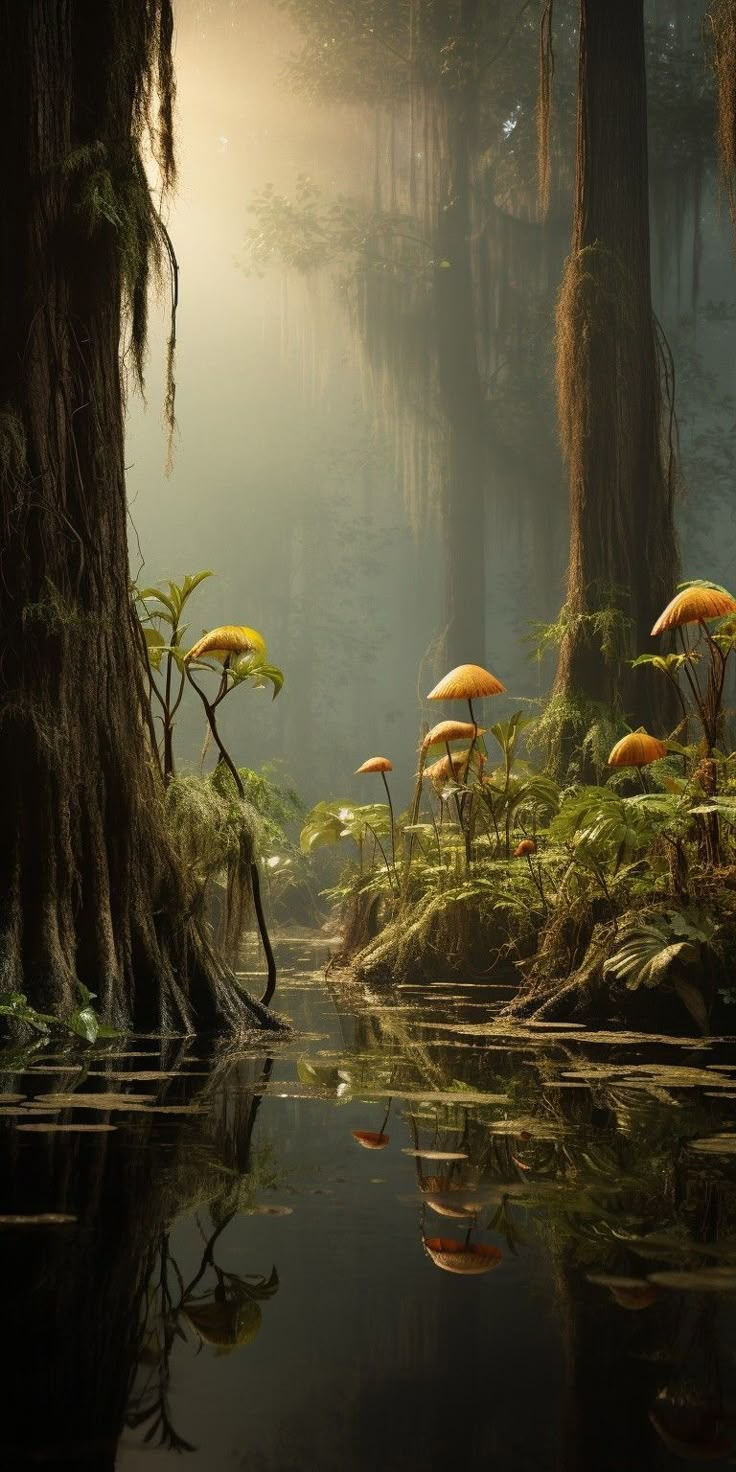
point(630, 1293)
point(692, 604)
point(637, 750)
point(370, 1139)
point(450, 731)
point(455, 1257)
point(446, 767)
point(375, 764)
point(467, 682)
point(464, 1211)
point(691, 1432)
point(527, 846)
point(228, 639)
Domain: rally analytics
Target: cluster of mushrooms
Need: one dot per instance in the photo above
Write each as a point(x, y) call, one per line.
point(693, 605)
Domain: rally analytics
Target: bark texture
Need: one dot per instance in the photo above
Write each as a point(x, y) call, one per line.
point(89, 889)
point(611, 369)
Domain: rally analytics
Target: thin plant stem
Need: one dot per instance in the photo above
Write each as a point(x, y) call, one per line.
point(393, 825)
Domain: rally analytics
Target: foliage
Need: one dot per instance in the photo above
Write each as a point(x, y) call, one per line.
point(83, 1022)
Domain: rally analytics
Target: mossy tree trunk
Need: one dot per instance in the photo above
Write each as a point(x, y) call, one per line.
point(89, 889)
point(614, 422)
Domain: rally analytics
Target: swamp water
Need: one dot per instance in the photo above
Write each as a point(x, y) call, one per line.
point(398, 1239)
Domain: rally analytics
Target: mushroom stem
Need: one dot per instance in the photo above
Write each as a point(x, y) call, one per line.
point(451, 775)
point(536, 878)
point(377, 840)
point(642, 779)
point(393, 826)
point(254, 874)
point(255, 880)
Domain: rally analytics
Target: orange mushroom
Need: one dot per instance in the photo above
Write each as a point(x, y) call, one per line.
point(525, 848)
point(637, 749)
point(467, 682)
point(382, 765)
point(370, 1139)
point(375, 764)
point(452, 766)
point(446, 731)
point(694, 605)
point(461, 1257)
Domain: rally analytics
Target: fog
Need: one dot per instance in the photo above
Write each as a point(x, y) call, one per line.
point(287, 481)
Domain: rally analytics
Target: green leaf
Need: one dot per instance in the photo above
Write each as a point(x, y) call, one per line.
point(168, 610)
point(155, 644)
point(192, 581)
point(249, 668)
point(84, 1022)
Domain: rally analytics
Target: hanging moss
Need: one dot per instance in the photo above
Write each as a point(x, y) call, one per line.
point(216, 833)
point(111, 189)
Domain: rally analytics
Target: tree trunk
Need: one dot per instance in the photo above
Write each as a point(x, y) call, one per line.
point(614, 424)
point(89, 889)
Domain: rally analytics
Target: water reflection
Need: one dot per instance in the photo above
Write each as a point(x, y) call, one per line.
point(234, 1273)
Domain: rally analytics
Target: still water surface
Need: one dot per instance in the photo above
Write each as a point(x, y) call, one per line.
point(401, 1239)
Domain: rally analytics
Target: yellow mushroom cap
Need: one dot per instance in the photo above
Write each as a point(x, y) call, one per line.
point(375, 764)
point(637, 750)
point(450, 731)
point(693, 604)
point(228, 639)
point(467, 682)
point(450, 766)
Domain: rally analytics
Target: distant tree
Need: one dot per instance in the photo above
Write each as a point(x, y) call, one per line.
point(437, 243)
point(89, 889)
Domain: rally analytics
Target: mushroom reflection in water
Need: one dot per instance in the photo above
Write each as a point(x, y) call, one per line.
point(630, 1293)
point(466, 1257)
point(691, 1431)
point(460, 1211)
point(374, 1139)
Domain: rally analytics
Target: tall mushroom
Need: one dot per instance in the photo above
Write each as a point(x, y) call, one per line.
point(222, 644)
point(468, 682)
point(698, 603)
point(383, 765)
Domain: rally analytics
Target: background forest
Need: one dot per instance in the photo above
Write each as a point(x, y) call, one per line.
point(374, 480)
